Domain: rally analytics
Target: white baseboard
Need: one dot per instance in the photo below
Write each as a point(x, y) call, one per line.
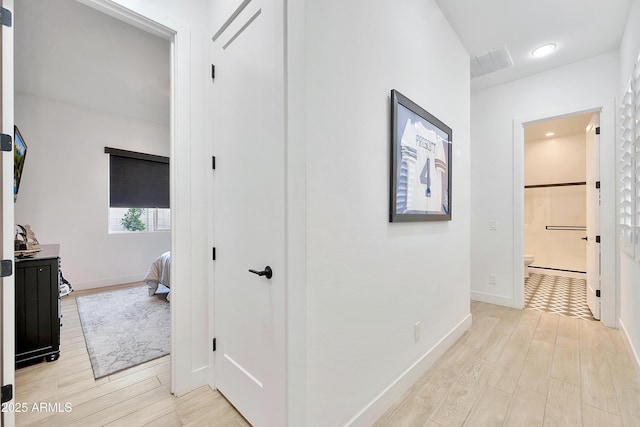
point(387, 397)
point(196, 379)
point(493, 299)
point(636, 358)
point(100, 283)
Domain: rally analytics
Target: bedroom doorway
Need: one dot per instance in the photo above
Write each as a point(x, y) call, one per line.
point(69, 160)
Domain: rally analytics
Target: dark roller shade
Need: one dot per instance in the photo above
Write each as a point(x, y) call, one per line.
point(137, 180)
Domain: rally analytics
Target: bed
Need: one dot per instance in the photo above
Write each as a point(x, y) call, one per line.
point(158, 278)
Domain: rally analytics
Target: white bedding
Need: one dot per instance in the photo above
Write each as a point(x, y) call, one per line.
point(159, 274)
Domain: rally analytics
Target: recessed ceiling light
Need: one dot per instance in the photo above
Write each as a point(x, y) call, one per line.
point(543, 50)
point(549, 134)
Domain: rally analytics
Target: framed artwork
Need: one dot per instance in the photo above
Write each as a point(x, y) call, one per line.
point(420, 164)
point(19, 154)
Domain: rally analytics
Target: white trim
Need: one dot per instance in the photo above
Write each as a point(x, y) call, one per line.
point(110, 281)
point(296, 217)
point(518, 214)
point(495, 299)
point(368, 415)
point(151, 19)
point(8, 224)
point(133, 17)
point(609, 284)
point(636, 357)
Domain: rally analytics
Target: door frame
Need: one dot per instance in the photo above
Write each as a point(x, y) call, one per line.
point(593, 249)
point(149, 19)
point(7, 311)
point(607, 176)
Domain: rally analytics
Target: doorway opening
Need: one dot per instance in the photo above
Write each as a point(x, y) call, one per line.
point(94, 82)
point(561, 208)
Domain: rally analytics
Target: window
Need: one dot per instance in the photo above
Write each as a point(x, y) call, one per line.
point(138, 192)
point(149, 219)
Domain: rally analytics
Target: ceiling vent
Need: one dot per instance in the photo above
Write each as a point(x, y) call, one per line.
point(488, 62)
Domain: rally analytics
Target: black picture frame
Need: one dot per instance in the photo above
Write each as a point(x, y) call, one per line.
point(421, 157)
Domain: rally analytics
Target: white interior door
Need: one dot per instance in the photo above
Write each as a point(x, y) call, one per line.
point(7, 298)
point(249, 209)
point(593, 215)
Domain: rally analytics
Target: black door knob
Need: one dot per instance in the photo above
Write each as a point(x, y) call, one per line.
point(584, 238)
point(267, 272)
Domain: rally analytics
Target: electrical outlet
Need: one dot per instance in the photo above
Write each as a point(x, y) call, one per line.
point(416, 331)
point(493, 225)
point(492, 279)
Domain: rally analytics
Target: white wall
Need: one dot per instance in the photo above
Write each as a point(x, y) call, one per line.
point(73, 53)
point(629, 297)
point(563, 206)
point(580, 86)
point(64, 193)
point(369, 281)
point(555, 160)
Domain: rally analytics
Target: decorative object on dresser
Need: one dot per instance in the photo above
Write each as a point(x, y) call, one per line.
point(25, 242)
point(37, 304)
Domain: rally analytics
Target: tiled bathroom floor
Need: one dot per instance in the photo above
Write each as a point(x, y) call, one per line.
point(555, 294)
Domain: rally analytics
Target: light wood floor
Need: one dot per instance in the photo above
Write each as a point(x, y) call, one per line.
point(512, 368)
point(135, 397)
point(526, 368)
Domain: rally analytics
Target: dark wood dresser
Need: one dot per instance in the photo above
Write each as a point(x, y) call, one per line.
point(38, 311)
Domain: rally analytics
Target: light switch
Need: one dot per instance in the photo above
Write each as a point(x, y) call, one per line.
point(493, 225)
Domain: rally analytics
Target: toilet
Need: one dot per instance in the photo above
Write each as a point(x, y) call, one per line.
point(528, 260)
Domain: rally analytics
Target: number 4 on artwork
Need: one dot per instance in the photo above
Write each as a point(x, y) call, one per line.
point(425, 177)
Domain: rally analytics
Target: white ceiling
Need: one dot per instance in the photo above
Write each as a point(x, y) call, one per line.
point(67, 51)
point(580, 28)
point(568, 125)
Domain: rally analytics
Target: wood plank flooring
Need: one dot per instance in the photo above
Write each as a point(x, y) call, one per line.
point(138, 396)
point(526, 368)
point(512, 368)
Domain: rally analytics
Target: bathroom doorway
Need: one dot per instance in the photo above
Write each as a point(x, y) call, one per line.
point(560, 215)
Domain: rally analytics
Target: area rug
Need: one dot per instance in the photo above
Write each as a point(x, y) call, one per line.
point(124, 328)
point(559, 295)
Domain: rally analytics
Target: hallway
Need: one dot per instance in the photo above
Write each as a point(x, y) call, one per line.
point(512, 368)
point(526, 367)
